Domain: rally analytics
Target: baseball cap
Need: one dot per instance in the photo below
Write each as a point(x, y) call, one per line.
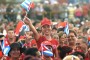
point(46, 21)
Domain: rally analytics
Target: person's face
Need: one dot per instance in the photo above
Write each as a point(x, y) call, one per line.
point(46, 29)
point(15, 52)
point(54, 31)
point(11, 34)
point(82, 44)
point(28, 35)
point(63, 40)
point(64, 43)
point(63, 37)
point(71, 38)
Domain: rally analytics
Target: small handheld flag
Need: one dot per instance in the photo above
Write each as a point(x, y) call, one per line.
point(45, 50)
point(65, 26)
point(21, 28)
point(27, 4)
point(66, 29)
point(5, 47)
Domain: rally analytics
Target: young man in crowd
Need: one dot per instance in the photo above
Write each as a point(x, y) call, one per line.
point(11, 35)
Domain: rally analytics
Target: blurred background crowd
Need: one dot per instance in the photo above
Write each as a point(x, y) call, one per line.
point(53, 9)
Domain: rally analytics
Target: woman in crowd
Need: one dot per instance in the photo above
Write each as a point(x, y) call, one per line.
point(46, 28)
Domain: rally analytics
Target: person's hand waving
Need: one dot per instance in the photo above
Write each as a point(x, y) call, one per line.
point(27, 20)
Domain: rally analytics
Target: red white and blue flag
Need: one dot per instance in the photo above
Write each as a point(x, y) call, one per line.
point(45, 51)
point(65, 26)
point(21, 28)
point(27, 5)
point(66, 29)
point(5, 47)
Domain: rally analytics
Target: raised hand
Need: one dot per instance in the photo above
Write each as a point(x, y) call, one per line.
point(27, 20)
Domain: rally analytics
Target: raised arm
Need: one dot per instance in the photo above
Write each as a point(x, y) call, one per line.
point(28, 22)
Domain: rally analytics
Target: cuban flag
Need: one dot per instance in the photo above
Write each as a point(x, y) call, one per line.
point(5, 47)
point(27, 5)
point(21, 28)
point(65, 26)
point(45, 51)
point(66, 29)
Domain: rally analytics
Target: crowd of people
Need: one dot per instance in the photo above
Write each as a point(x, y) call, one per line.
point(46, 38)
point(53, 11)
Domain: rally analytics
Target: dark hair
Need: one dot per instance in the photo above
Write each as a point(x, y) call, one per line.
point(64, 50)
point(72, 31)
point(31, 51)
point(79, 53)
point(28, 57)
point(60, 34)
point(54, 28)
point(60, 29)
point(14, 45)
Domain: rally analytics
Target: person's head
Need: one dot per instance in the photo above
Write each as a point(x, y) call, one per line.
point(62, 38)
point(54, 30)
point(46, 26)
point(81, 55)
point(11, 33)
point(55, 36)
point(15, 50)
point(64, 51)
point(71, 57)
point(28, 35)
point(72, 37)
point(62, 35)
point(30, 58)
point(83, 43)
point(32, 53)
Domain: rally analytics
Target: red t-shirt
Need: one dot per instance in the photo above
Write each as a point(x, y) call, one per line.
point(43, 38)
point(30, 44)
point(53, 41)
